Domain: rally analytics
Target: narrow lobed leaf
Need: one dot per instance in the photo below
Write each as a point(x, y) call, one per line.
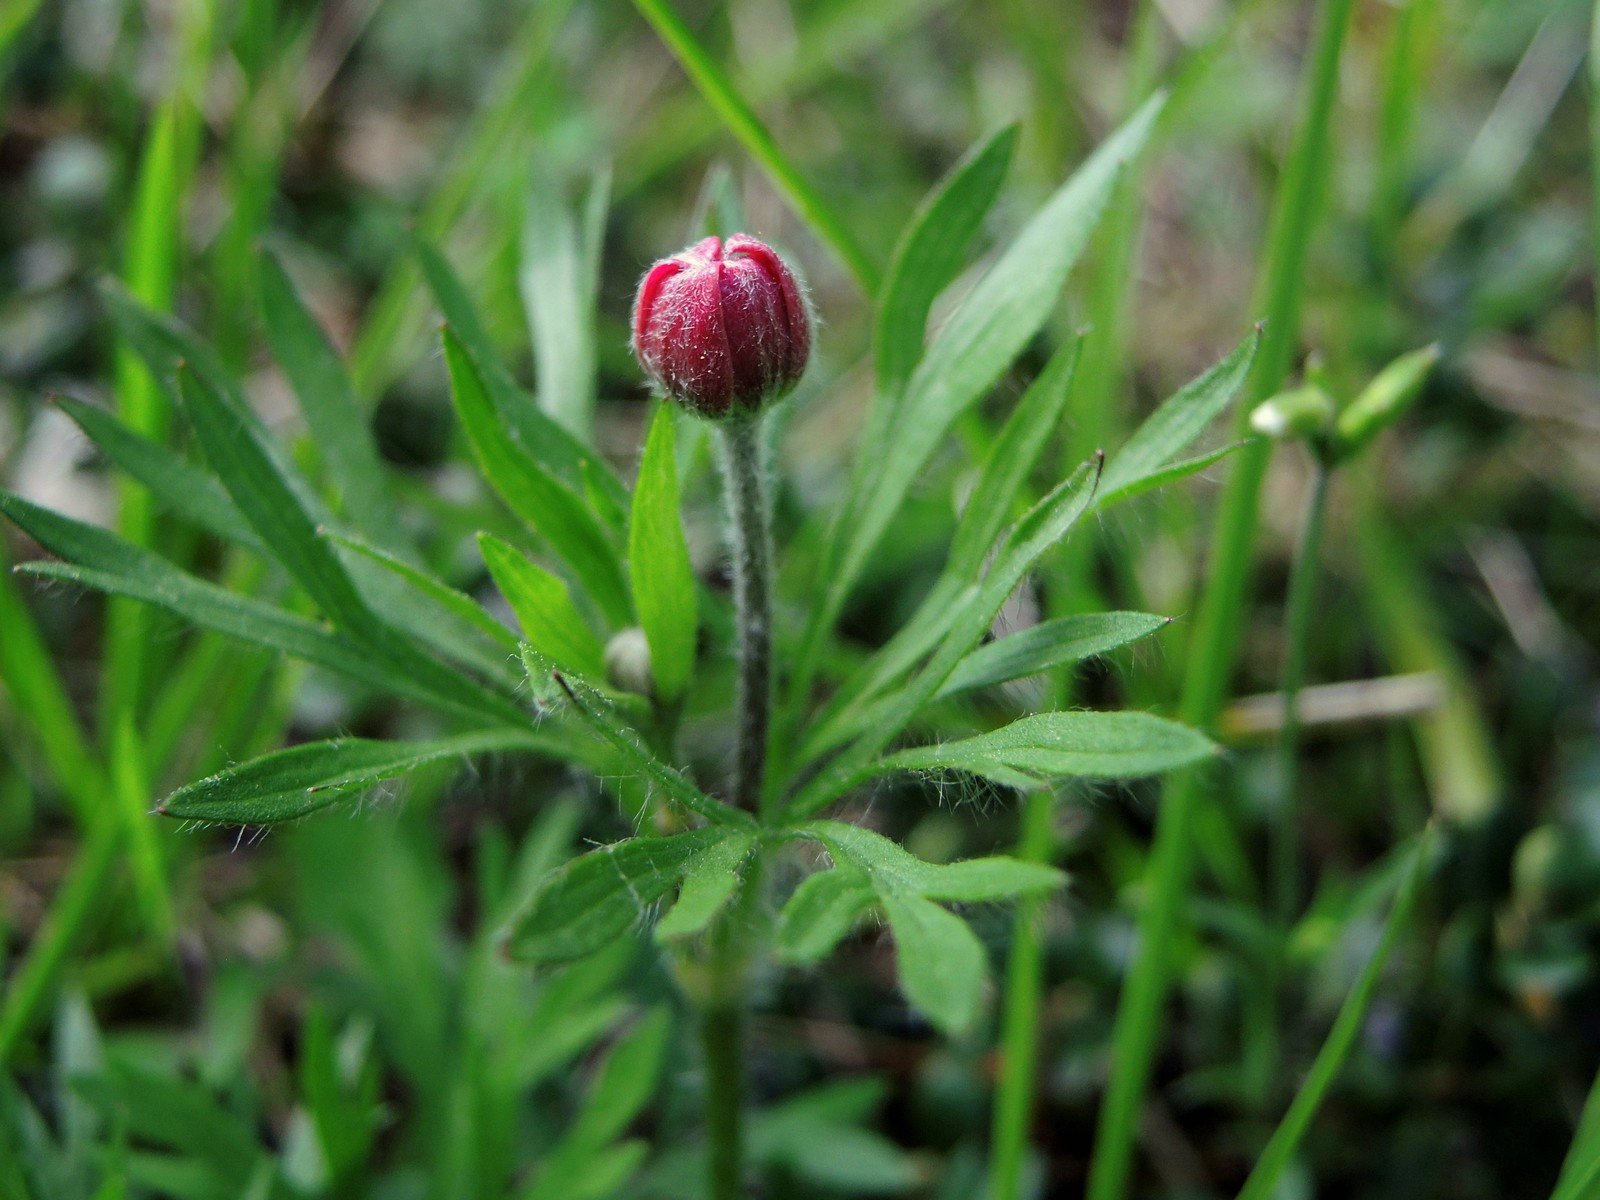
point(291, 783)
point(658, 558)
point(595, 899)
point(544, 609)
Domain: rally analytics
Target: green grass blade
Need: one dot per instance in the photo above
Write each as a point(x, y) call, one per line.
point(1263, 1181)
point(559, 281)
point(1138, 1024)
point(131, 794)
point(720, 93)
point(41, 701)
point(332, 410)
point(71, 909)
point(658, 559)
point(154, 244)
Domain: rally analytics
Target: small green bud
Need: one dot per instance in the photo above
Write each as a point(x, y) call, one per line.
point(1383, 401)
point(628, 662)
point(1302, 412)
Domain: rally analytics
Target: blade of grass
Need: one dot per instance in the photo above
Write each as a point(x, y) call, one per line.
point(1263, 1181)
point(73, 905)
point(131, 794)
point(1137, 1030)
point(735, 112)
point(153, 249)
point(394, 317)
point(1580, 1170)
point(41, 701)
point(1456, 747)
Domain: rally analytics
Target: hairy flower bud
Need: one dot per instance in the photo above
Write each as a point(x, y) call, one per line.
point(722, 327)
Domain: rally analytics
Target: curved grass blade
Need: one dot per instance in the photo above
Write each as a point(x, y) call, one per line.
point(1263, 1181)
point(721, 94)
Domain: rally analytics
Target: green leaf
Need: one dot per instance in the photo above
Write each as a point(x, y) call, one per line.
point(627, 1079)
point(596, 899)
point(1027, 431)
point(1047, 646)
point(290, 783)
point(598, 713)
point(1005, 471)
point(991, 327)
point(967, 617)
point(335, 415)
point(1063, 745)
point(939, 959)
point(890, 869)
point(658, 557)
point(102, 560)
point(543, 438)
point(550, 620)
point(491, 642)
point(559, 279)
point(821, 912)
point(930, 253)
point(276, 503)
point(708, 884)
point(190, 492)
point(1173, 427)
point(548, 506)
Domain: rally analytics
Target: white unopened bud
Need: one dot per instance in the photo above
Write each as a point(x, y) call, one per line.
point(628, 662)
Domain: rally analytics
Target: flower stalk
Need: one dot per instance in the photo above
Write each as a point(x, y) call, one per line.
point(750, 532)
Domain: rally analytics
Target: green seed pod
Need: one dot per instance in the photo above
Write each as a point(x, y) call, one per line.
point(1302, 412)
point(1383, 401)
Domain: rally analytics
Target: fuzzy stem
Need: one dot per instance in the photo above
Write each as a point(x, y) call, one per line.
point(1297, 631)
point(751, 534)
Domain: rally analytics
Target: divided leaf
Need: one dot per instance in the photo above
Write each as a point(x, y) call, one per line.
point(939, 959)
point(543, 438)
point(821, 912)
point(1047, 646)
point(335, 415)
point(709, 882)
point(593, 900)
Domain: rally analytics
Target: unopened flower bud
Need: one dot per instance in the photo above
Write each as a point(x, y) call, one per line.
point(1302, 412)
point(628, 662)
point(722, 327)
point(1383, 401)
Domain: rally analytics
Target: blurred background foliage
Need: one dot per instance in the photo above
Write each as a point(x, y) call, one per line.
point(319, 1012)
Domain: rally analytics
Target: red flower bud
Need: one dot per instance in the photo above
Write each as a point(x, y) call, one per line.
point(722, 327)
